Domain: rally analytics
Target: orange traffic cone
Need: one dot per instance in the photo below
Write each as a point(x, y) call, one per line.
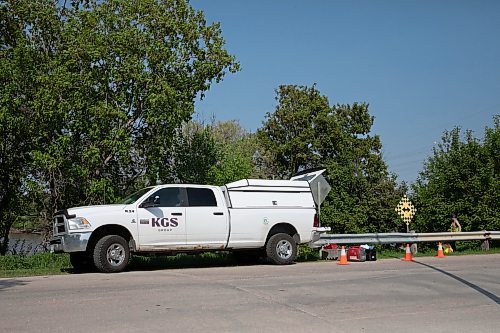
point(440, 251)
point(408, 256)
point(343, 257)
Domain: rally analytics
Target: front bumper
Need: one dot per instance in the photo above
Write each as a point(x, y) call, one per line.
point(76, 242)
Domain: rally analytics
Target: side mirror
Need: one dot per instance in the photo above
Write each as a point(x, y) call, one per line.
point(150, 202)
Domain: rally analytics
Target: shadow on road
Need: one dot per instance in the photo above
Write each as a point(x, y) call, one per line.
point(486, 293)
point(205, 260)
point(9, 283)
point(139, 263)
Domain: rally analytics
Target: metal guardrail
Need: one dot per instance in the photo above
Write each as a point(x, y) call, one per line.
point(389, 238)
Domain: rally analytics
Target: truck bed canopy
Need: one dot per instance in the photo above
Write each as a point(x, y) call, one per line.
point(303, 190)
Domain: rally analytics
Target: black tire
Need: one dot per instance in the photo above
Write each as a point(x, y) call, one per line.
point(281, 249)
point(82, 262)
point(111, 254)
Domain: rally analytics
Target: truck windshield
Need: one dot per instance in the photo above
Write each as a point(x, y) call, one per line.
point(135, 196)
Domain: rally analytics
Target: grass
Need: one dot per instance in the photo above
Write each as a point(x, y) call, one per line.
point(52, 264)
point(430, 250)
point(400, 253)
point(37, 264)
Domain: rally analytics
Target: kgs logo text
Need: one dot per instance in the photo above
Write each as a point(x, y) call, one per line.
point(164, 222)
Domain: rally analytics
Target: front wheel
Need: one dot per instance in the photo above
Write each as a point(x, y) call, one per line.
point(281, 249)
point(111, 254)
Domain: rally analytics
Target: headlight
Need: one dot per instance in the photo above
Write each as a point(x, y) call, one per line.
point(78, 223)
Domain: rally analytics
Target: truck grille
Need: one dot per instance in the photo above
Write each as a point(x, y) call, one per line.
point(59, 225)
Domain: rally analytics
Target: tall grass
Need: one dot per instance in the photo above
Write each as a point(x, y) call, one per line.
point(37, 264)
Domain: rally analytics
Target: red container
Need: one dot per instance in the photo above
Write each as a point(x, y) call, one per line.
point(330, 246)
point(356, 253)
point(330, 251)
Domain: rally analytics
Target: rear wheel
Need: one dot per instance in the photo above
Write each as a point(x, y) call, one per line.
point(281, 249)
point(111, 254)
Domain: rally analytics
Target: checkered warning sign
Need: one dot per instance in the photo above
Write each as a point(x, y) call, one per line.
point(405, 209)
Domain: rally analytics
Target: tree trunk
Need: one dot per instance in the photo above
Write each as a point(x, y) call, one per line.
point(6, 222)
point(4, 243)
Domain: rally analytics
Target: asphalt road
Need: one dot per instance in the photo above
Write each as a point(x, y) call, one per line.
point(457, 294)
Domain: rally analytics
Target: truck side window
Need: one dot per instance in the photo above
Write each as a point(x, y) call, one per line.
point(170, 197)
point(201, 197)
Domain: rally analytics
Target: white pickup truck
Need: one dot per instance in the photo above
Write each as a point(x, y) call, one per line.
point(249, 217)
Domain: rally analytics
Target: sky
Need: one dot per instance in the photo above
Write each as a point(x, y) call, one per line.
point(423, 66)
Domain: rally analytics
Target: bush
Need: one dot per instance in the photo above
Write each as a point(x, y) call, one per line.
point(307, 254)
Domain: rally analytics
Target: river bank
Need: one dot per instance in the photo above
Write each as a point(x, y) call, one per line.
point(26, 243)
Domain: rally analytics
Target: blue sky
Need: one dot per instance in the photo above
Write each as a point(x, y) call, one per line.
point(423, 66)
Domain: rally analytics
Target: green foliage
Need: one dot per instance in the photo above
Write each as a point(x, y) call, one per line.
point(17, 122)
point(92, 93)
point(233, 165)
point(305, 253)
point(37, 261)
point(209, 154)
point(464, 248)
point(236, 148)
point(289, 134)
point(193, 153)
point(461, 177)
point(305, 131)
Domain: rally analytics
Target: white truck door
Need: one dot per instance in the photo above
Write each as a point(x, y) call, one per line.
point(207, 223)
point(161, 219)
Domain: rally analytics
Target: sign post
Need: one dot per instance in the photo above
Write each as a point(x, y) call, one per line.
point(406, 211)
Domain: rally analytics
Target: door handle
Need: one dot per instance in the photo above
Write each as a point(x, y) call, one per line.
point(218, 213)
point(176, 214)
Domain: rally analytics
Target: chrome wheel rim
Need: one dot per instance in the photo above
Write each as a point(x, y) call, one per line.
point(115, 254)
point(284, 249)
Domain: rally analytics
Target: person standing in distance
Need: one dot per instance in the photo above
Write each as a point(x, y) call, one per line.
point(454, 227)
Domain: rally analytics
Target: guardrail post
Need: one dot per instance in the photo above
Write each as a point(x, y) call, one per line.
point(485, 245)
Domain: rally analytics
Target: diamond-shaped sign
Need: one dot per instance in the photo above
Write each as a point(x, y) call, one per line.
point(405, 209)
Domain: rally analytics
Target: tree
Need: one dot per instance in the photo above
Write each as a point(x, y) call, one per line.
point(237, 148)
point(107, 84)
point(209, 154)
point(192, 155)
point(305, 131)
point(17, 123)
point(461, 177)
point(288, 134)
